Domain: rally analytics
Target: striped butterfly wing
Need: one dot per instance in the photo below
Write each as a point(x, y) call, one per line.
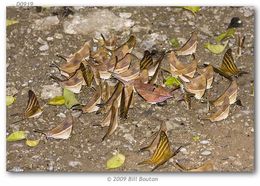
point(146, 61)
point(33, 107)
point(161, 154)
point(228, 66)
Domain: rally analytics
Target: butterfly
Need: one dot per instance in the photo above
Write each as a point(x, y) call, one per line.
point(190, 46)
point(230, 92)
point(228, 67)
point(162, 152)
point(33, 108)
point(221, 112)
point(62, 131)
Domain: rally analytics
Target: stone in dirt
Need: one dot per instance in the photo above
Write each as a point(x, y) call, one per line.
point(51, 91)
point(46, 23)
point(101, 21)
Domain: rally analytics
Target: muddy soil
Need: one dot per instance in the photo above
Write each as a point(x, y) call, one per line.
point(229, 144)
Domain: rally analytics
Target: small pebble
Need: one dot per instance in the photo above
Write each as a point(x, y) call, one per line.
point(44, 47)
point(204, 142)
point(206, 153)
point(49, 38)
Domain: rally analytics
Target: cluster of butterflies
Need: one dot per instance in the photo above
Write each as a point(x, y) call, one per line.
point(116, 74)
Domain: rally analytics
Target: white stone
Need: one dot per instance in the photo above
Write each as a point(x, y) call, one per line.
point(44, 47)
point(101, 21)
point(74, 163)
point(125, 15)
point(46, 23)
point(51, 91)
point(204, 142)
point(205, 153)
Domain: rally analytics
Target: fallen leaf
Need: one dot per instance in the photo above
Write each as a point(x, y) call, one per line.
point(193, 9)
point(115, 161)
point(171, 81)
point(10, 22)
point(174, 42)
point(32, 143)
point(229, 33)
point(196, 138)
point(16, 136)
point(58, 100)
point(10, 100)
point(70, 99)
point(215, 48)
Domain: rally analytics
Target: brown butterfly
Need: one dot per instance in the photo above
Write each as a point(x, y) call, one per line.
point(73, 62)
point(125, 48)
point(178, 68)
point(111, 119)
point(206, 167)
point(91, 106)
point(197, 86)
point(230, 92)
point(208, 72)
point(126, 100)
point(62, 131)
point(221, 113)
point(190, 46)
point(162, 152)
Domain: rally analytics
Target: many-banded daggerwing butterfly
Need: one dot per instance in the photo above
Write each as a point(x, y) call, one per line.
point(162, 153)
point(228, 67)
point(152, 146)
point(33, 108)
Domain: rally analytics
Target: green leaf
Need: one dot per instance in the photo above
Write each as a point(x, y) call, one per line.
point(216, 49)
point(58, 100)
point(175, 43)
point(32, 143)
point(10, 22)
point(196, 138)
point(116, 161)
point(10, 100)
point(16, 136)
point(70, 99)
point(229, 33)
point(193, 9)
point(171, 81)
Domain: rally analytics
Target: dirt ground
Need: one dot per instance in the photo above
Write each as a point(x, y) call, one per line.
point(229, 144)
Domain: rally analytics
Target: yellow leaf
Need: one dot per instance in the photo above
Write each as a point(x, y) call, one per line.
point(58, 100)
point(116, 161)
point(16, 136)
point(193, 9)
point(195, 138)
point(70, 99)
point(32, 143)
point(9, 100)
point(216, 49)
point(10, 22)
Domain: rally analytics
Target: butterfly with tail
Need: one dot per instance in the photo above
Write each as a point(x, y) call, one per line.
point(228, 67)
point(33, 108)
point(162, 152)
